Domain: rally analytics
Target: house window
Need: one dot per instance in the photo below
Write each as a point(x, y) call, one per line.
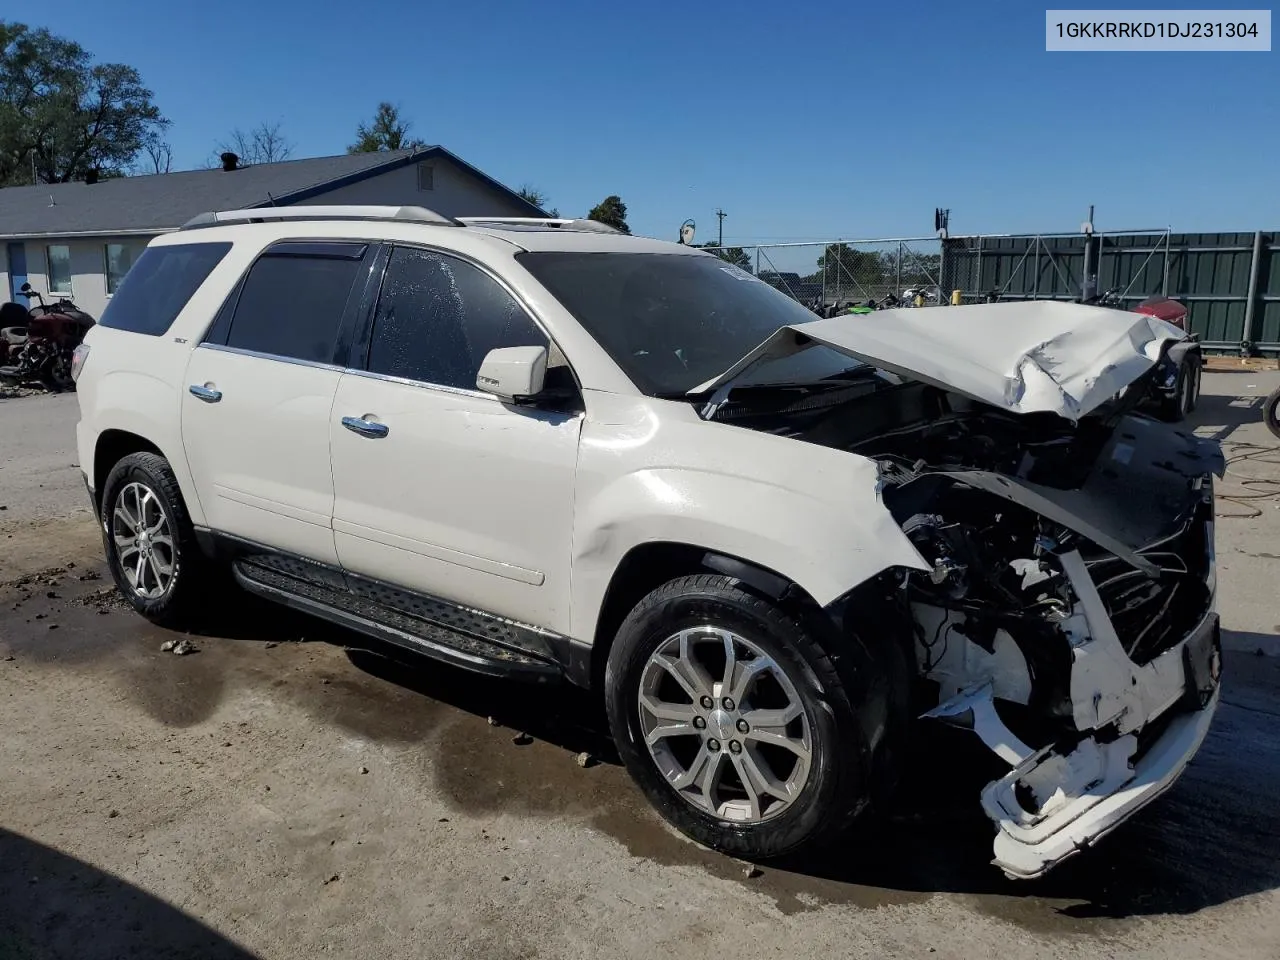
point(119, 258)
point(426, 176)
point(59, 260)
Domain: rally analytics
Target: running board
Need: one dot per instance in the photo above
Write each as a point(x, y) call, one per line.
point(359, 613)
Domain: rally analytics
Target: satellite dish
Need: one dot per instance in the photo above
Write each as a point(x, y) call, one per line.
point(686, 232)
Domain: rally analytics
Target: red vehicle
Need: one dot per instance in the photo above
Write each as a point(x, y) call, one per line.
point(36, 344)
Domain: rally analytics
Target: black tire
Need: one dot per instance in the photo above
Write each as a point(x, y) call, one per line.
point(1194, 370)
point(1174, 409)
point(1271, 412)
point(844, 701)
point(190, 582)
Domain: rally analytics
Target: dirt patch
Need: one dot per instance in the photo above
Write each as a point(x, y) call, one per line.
point(28, 548)
point(1213, 364)
point(11, 391)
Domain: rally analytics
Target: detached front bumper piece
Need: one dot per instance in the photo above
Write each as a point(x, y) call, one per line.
point(1059, 801)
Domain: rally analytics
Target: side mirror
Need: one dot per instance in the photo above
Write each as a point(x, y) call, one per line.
point(513, 373)
point(25, 288)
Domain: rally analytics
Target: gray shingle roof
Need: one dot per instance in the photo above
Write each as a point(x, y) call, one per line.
point(165, 201)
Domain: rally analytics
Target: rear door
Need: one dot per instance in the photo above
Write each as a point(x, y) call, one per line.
point(259, 391)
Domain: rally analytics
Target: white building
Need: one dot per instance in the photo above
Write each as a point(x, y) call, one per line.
point(78, 239)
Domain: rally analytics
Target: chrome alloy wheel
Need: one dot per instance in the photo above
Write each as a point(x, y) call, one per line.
point(725, 725)
point(143, 540)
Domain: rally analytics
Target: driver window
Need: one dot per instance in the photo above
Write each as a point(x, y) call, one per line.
point(437, 318)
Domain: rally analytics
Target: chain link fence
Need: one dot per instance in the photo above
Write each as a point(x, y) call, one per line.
point(840, 272)
point(1230, 282)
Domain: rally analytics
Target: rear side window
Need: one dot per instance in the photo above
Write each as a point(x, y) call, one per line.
point(439, 316)
point(291, 303)
point(159, 284)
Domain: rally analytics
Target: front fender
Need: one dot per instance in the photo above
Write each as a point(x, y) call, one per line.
point(809, 513)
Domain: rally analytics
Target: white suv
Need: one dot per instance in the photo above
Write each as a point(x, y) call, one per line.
point(545, 450)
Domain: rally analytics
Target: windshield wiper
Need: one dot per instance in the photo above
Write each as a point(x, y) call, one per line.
point(844, 378)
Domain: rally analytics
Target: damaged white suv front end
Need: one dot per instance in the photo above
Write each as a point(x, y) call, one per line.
point(1110, 672)
point(1064, 607)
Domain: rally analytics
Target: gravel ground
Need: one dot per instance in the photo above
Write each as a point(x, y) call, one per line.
point(279, 793)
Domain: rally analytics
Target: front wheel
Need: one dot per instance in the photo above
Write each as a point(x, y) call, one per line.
point(736, 723)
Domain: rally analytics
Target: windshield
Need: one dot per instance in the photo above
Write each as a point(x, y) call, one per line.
point(673, 321)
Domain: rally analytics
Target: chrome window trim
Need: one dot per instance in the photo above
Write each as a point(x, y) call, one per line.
point(258, 355)
point(410, 382)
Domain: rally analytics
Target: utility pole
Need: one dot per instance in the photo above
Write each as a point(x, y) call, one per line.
point(720, 215)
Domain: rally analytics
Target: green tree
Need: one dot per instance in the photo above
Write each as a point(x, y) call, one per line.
point(531, 194)
point(611, 210)
point(734, 255)
point(385, 132)
point(845, 266)
point(911, 266)
point(62, 115)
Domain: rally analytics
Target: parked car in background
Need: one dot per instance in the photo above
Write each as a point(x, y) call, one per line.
point(550, 452)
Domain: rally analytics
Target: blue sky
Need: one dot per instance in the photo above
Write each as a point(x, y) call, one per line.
point(802, 120)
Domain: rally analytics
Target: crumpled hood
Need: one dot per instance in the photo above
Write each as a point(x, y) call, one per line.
point(1037, 356)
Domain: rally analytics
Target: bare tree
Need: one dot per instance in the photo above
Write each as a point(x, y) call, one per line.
point(265, 143)
point(160, 154)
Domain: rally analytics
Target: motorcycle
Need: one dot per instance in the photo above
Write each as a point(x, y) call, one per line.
point(36, 344)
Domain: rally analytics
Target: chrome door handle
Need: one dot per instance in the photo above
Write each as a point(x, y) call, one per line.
point(204, 393)
point(366, 428)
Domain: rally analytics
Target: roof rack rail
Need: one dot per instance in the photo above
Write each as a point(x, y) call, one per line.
point(408, 214)
point(588, 226)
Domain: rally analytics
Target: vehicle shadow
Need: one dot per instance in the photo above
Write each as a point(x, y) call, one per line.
point(57, 906)
point(1209, 840)
point(1224, 415)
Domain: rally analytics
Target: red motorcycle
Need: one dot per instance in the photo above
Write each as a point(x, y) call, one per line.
point(36, 344)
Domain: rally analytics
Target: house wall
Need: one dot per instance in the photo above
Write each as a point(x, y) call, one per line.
point(88, 270)
point(454, 192)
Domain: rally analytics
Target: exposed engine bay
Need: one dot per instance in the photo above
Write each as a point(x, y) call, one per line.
point(1066, 617)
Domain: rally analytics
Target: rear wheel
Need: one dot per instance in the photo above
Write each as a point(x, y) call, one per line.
point(151, 549)
point(737, 724)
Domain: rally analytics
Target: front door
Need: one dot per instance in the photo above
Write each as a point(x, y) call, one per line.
point(17, 269)
point(441, 488)
point(259, 394)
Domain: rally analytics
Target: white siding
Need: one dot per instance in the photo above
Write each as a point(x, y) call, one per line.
point(454, 192)
point(88, 270)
